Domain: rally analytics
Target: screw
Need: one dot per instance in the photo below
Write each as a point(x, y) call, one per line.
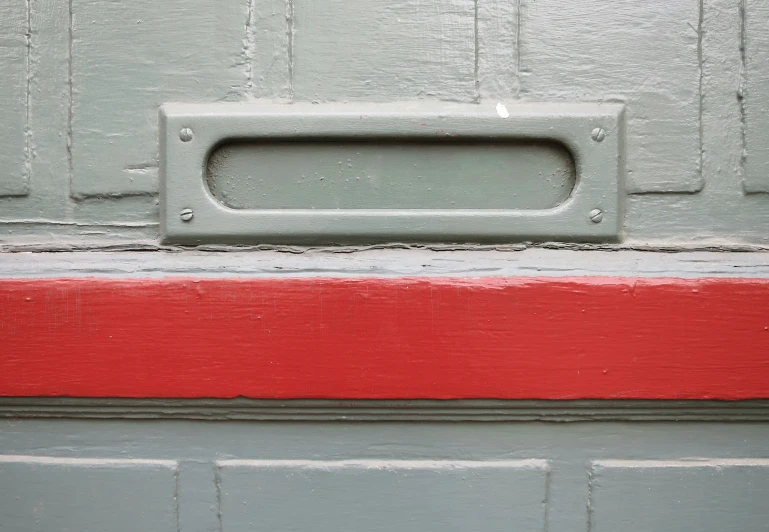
point(185, 134)
point(596, 215)
point(186, 215)
point(598, 134)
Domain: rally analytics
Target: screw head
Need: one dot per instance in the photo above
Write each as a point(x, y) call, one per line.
point(185, 134)
point(596, 215)
point(598, 134)
point(186, 215)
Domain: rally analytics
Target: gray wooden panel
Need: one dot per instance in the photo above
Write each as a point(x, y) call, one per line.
point(383, 495)
point(620, 50)
point(266, 48)
point(227, 463)
point(391, 175)
point(757, 95)
point(644, 53)
point(130, 57)
point(713, 495)
point(722, 124)
point(384, 50)
point(721, 213)
point(13, 98)
point(196, 497)
point(498, 52)
point(86, 495)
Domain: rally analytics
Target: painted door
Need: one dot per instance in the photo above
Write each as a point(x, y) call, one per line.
point(413, 265)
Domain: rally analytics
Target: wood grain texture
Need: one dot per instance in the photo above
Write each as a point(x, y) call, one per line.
point(498, 52)
point(384, 50)
point(128, 59)
point(756, 43)
point(441, 338)
point(644, 53)
point(14, 153)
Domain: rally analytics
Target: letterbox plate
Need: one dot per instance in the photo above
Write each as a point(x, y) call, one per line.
point(593, 133)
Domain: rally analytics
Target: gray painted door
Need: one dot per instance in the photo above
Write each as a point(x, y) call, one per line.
point(386, 476)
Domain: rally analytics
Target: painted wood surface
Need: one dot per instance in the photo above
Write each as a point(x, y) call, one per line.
point(436, 260)
point(384, 495)
point(498, 60)
point(754, 93)
point(14, 98)
point(721, 207)
point(81, 89)
point(650, 495)
point(507, 338)
point(128, 59)
point(644, 53)
point(231, 476)
point(43, 493)
point(384, 50)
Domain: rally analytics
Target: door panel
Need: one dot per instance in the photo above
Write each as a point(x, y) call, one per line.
point(383, 495)
point(47, 493)
point(446, 472)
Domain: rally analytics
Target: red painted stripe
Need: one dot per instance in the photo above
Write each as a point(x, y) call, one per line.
point(513, 338)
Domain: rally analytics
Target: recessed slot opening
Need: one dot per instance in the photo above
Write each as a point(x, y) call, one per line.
point(391, 174)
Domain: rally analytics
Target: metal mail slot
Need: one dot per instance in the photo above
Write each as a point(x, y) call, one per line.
point(342, 173)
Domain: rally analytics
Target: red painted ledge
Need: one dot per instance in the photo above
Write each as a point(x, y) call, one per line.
point(404, 338)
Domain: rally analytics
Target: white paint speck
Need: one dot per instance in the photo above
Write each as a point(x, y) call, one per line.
point(502, 110)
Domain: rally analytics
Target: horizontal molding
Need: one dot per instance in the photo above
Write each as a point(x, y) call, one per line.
point(446, 260)
point(373, 410)
point(396, 338)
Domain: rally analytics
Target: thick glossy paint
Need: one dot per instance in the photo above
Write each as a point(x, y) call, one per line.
point(507, 338)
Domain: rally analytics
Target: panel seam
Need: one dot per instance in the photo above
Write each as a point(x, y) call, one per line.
point(70, 108)
point(249, 44)
point(290, 47)
point(477, 54)
point(27, 176)
point(218, 487)
point(519, 24)
point(742, 93)
point(700, 63)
